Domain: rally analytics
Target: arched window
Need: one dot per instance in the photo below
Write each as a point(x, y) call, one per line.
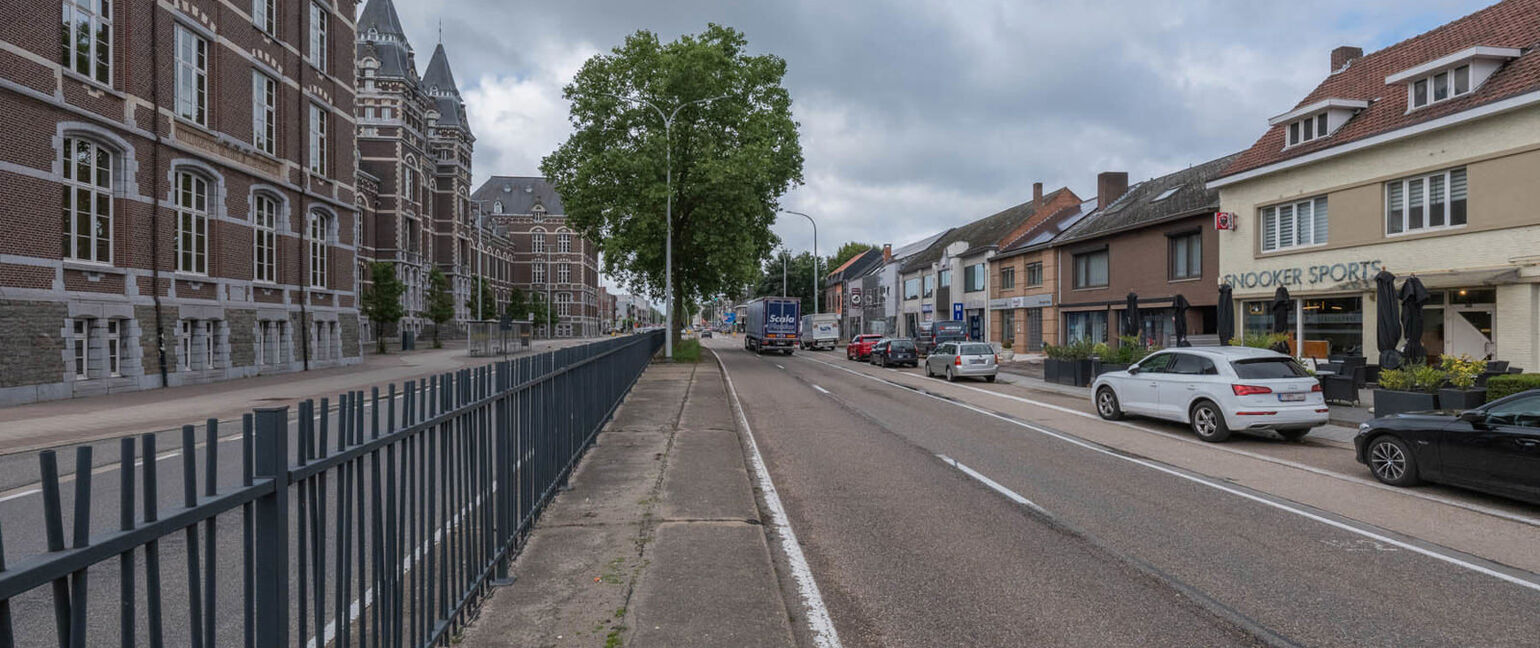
point(409, 180)
point(319, 235)
point(564, 242)
point(538, 211)
point(497, 207)
point(192, 223)
point(88, 186)
point(537, 242)
point(264, 223)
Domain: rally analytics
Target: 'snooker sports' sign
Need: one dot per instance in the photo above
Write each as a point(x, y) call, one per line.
point(1336, 273)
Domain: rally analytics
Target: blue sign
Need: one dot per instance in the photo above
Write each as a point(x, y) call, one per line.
point(730, 318)
point(957, 311)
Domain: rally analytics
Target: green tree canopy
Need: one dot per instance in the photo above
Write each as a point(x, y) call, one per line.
point(441, 302)
point(732, 160)
point(381, 301)
point(488, 306)
point(845, 253)
point(799, 278)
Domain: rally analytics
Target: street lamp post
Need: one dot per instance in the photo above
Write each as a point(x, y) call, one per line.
point(668, 252)
point(815, 254)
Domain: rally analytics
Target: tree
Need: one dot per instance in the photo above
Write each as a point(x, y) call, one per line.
point(488, 306)
point(732, 160)
point(799, 279)
point(540, 313)
point(381, 302)
point(845, 253)
point(441, 303)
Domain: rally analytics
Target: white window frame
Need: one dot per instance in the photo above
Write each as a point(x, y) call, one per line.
point(1429, 82)
point(90, 198)
point(184, 344)
point(563, 242)
point(264, 16)
point(563, 273)
point(1425, 187)
point(319, 19)
point(96, 17)
point(264, 113)
point(320, 249)
point(264, 250)
point(1270, 218)
point(80, 334)
point(192, 70)
point(537, 273)
point(537, 242)
point(114, 345)
point(192, 223)
point(317, 162)
point(1084, 282)
point(1309, 129)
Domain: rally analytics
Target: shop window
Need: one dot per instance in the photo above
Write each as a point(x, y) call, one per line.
point(1426, 202)
point(1337, 321)
point(1085, 326)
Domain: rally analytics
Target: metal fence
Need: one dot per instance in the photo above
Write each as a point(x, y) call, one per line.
point(380, 521)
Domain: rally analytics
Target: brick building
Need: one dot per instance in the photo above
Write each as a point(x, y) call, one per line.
point(549, 258)
point(202, 159)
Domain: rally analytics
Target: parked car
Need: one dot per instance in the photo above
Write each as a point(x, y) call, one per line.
point(1494, 448)
point(861, 346)
point(933, 334)
point(1216, 390)
point(959, 359)
point(705, 333)
point(895, 351)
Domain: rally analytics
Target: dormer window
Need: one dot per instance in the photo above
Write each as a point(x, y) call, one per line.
point(1452, 76)
point(1317, 120)
point(1307, 129)
point(1440, 87)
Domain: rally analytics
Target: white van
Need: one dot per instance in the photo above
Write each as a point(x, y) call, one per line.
point(820, 331)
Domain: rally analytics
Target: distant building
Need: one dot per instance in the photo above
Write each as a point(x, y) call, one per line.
point(549, 257)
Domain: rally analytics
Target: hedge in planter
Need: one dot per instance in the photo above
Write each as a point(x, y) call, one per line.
point(1461, 374)
point(1410, 389)
point(1503, 386)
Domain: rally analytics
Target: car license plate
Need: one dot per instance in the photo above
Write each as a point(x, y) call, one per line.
point(976, 361)
point(1291, 398)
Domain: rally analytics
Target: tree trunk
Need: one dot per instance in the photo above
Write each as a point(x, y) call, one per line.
point(677, 333)
point(379, 336)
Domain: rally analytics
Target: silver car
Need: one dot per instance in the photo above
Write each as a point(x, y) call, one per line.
point(957, 359)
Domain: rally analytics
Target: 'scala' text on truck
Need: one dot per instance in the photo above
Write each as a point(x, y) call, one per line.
point(772, 325)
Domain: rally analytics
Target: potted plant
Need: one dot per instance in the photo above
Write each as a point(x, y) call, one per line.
point(1461, 392)
point(1007, 349)
point(1069, 364)
point(1130, 350)
point(1413, 388)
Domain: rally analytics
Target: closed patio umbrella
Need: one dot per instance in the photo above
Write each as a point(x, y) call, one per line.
point(1413, 296)
point(1181, 306)
point(1226, 315)
point(1282, 306)
point(1387, 310)
point(1131, 316)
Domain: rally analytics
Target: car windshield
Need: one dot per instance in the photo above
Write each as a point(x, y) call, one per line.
point(904, 345)
point(1262, 368)
point(976, 349)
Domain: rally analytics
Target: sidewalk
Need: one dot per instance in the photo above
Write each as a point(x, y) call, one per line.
point(77, 420)
point(658, 543)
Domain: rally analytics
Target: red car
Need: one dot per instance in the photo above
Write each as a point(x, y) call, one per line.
point(861, 346)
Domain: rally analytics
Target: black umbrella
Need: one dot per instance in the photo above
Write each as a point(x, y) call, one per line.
point(1226, 315)
point(1181, 305)
point(1282, 306)
point(1413, 296)
point(1387, 309)
point(1131, 316)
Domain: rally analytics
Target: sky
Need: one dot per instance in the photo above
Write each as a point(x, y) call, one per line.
point(917, 115)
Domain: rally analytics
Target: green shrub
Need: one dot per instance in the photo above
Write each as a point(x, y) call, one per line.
point(1463, 371)
point(1130, 350)
point(1077, 350)
point(1412, 378)
point(1260, 340)
point(1501, 386)
point(688, 350)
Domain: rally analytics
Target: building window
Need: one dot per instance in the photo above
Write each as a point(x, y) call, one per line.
point(564, 242)
point(1090, 325)
point(1091, 269)
point(409, 181)
point(185, 344)
point(318, 19)
point(87, 230)
point(930, 286)
point(114, 349)
point(497, 206)
point(264, 113)
point(264, 220)
point(537, 242)
point(264, 15)
point(1310, 128)
point(911, 289)
point(1441, 86)
point(1007, 278)
point(192, 76)
point(317, 139)
point(1293, 225)
point(1035, 274)
point(563, 304)
point(539, 273)
point(944, 278)
point(86, 38)
point(1426, 202)
point(80, 337)
point(974, 277)
point(319, 249)
point(1186, 254)
point(192, 223)
point(563, 273)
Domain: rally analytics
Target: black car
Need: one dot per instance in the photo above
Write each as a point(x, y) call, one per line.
point(933, 334)
point(895, 352)
point(1493, 448)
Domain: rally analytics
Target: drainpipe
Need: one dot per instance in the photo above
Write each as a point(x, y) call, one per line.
point(160, 329)
point(303, 118)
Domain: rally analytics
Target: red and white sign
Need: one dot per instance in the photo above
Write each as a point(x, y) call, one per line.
point(1224, 221)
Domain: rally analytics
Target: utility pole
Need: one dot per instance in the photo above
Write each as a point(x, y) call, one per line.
point(815, 254)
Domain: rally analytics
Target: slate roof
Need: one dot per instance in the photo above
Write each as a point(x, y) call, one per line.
point(395, 57)
point(381, 15)
point(855, 266)
point(1138, 207)
point(519, 194)
point(1044, 233)
point(980, 234)
point(439, 75)
point(1512, 24)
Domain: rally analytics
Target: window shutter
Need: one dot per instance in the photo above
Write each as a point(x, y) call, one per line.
point(1394, 207)
point(1269, 230)
point(1457, 197)
point(1320, 226)
point(1286, 226)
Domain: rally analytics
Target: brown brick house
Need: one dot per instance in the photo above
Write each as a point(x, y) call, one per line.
point(1022, 297)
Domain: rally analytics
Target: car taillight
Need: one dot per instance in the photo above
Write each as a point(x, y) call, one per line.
point(997, 358)
point(1248, 390)
point(1316, 387)
point(957, 361)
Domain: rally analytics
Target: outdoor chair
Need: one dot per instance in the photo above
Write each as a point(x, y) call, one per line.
point(1497, 366)
point(1342, 388)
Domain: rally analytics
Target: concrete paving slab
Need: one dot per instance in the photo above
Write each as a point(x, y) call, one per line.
point(707, 478)
point(722, 570)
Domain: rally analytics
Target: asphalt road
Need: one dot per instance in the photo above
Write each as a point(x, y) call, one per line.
point(1092, 533)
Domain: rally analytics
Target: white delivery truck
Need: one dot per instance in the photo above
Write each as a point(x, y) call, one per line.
point(820, 331)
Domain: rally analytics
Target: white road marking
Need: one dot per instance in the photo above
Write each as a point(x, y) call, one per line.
point(1354, 479)
point(1452, 560)
point(780, 366)
point(994, 485)
point(820, 389)
point(818, 621)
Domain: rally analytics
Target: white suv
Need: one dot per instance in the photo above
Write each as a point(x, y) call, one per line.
point(1216, 390)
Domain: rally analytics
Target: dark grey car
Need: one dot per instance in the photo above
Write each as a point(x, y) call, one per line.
point(892, 352)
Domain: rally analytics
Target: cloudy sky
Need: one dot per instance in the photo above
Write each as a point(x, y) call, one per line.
point(922, 114)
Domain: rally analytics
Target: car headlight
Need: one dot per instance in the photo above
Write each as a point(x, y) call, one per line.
point(1363, 427)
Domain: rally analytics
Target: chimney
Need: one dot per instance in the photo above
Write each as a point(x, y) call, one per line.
point(1037, 193)
point(1110, 185)
point(887, 252)
point(1344, 55)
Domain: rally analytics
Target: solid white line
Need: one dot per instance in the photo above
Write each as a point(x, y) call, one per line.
point(820, 389)
point(780, 366)
point(1352, 479)
point(1521, 582)
point(1008, 493)
point(818, 621)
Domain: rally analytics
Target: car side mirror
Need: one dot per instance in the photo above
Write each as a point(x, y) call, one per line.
point(1474, 417)
point(1133, 370)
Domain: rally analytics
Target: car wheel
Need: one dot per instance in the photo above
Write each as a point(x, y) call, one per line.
point(1107, 404)
point(989, 378)
point(950, 377)
point(1294, 434)
point(928, 374)
point(1209, 423)
point(1392, 462)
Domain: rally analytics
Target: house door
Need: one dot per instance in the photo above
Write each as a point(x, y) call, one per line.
point(1034, 329)
point(1468, 330)
point(975, 325)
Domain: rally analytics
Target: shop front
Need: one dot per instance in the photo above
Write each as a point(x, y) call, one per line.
point(1021, 321)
